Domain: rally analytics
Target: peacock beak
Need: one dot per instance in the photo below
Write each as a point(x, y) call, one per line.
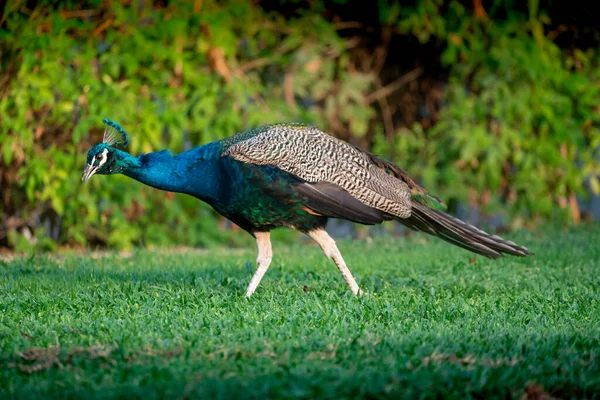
point(88, 172)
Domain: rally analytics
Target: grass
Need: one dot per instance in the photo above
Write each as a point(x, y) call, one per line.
point(435, 322)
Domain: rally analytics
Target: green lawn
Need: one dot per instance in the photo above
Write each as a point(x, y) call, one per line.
point(435, 322)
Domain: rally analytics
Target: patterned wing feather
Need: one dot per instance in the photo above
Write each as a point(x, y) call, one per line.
point(315, 157)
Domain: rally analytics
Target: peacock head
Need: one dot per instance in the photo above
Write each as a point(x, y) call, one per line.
point(102, 158)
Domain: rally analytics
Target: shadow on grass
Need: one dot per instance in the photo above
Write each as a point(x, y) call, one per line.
point(108, 372)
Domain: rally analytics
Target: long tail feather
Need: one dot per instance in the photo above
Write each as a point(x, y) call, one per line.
point(459, 233)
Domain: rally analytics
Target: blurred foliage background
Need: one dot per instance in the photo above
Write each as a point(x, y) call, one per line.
point(491, 105)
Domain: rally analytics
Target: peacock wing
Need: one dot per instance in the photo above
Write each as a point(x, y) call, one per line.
point(321, 198)
point(316, 157)
point(331, 200)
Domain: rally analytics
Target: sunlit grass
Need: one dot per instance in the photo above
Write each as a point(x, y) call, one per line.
point(435, 322)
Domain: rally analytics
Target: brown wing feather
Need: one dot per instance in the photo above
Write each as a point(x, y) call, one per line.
point(332, 201)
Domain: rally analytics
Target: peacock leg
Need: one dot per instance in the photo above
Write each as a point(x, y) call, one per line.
point(331, 251)
point(265, 254)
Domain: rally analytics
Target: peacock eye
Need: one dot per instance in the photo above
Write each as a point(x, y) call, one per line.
point(98, 156)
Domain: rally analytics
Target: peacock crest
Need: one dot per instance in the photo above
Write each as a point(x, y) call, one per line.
point(114, 133)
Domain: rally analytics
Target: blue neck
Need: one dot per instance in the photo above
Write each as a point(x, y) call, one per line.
point(190, 172)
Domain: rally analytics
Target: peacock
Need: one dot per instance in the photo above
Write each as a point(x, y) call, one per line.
point(296, 176)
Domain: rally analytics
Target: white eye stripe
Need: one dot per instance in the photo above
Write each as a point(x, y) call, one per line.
point(103, 159)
